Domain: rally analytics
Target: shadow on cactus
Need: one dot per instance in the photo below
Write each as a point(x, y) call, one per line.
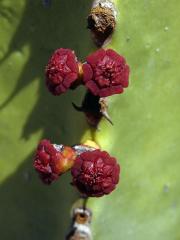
point(32, 210)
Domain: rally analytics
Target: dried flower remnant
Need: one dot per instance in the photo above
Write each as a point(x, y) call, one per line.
point(62, 71)
point(102, 21)
point(91, 108)
point(81, 225)
point(95, 173)
point(94, 109)
point(52, 160)
point(105, 73)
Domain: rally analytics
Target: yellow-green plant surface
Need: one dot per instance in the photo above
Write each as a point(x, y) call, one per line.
point(146, 133)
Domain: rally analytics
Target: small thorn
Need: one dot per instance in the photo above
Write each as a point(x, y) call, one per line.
point(79, 109)
point(107, 117)
point(104, 108)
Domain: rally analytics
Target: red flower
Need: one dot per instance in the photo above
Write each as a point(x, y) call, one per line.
point(105, 73)
point(61, 71)
point(51, 161)
point(95, 173)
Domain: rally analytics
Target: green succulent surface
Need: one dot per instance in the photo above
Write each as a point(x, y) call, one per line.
point(145, 137)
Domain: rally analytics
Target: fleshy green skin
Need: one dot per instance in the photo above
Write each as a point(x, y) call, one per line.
point(145, 136)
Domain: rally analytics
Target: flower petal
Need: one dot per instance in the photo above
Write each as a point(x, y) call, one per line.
point(115, 56)
point(96, 56)
point(70, 78)
point(87, 72)
point(92, 87)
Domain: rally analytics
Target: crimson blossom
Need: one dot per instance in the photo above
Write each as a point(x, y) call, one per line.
point(61, 71)
point(52, 160)
point(95, 173)
point(105, 73)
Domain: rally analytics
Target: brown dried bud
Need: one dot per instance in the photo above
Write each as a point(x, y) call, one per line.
point(94, 108)
point(102, 21)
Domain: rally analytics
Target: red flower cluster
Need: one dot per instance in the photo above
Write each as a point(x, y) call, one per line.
point(46, 160)
point(61, 71)
point(50, 162)
point(95, 173)
point(105, 73)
